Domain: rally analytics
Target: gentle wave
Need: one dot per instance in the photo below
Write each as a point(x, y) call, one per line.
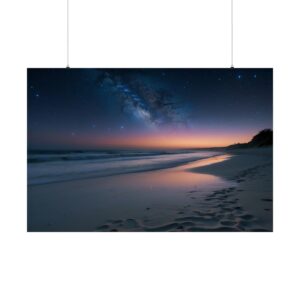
point(47, 156)
point(47, 167)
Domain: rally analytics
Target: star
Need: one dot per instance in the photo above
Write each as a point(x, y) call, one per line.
point(37, 95)
point(239, 76)
point(122, 127)
point(254, 76)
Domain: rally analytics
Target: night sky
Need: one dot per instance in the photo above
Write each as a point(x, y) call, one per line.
point(146, 108)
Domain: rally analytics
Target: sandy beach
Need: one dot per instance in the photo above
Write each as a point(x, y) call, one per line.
point(248, 204)
point(231, 191)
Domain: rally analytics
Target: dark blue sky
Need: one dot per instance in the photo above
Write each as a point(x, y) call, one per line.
point(94, 108)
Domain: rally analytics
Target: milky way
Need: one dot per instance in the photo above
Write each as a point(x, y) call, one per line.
point(156, 107)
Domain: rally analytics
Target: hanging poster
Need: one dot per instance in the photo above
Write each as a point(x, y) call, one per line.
point(150, 150)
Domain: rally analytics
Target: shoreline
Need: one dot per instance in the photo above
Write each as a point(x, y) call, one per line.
point(237, 163)
point(115, 172)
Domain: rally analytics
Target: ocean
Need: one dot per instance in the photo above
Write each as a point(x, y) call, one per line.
point(56, 166)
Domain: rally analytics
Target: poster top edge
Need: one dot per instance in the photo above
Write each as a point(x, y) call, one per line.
point(149, 68)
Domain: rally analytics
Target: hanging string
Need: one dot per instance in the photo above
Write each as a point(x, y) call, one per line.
point(68, 34)
point(232, 34)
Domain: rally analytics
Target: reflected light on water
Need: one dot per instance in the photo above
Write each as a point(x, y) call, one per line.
point(205, 162)
point(181, 177)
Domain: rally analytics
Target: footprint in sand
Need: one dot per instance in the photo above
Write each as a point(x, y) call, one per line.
point(247, 217)
point(131, 223)
point(238, 208)
point(208, 199)
point(266, 199)
point(233, 201)
point(103, 227)
point(225, 209)
point(244, 224)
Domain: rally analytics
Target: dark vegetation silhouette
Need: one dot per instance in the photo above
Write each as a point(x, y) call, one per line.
point(263, 139)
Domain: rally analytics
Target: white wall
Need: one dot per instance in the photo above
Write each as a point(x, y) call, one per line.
point(156, 33)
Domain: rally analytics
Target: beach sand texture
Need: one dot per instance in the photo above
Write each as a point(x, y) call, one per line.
point(228, 192)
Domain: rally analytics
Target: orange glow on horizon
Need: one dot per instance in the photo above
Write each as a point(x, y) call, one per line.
point(173, 141)
point(158, 140)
